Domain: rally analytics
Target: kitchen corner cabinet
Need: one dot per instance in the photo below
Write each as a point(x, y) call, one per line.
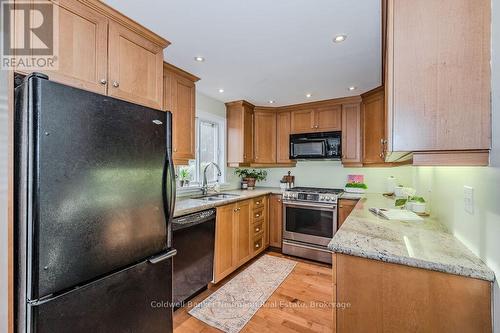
point(240, 120)
point(264, 136)
point(275, 220)
point(438, 81)
point(179, 98)
point(351, 135)
point(240, 234)
point(103, 51)
point(373, 127)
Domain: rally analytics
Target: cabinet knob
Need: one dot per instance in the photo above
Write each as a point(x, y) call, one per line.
point(258, 202)
point(103, 81)
point(116, 84)
point(257, 245)
point(257, 215)
point(257, 229)
point(175, 150)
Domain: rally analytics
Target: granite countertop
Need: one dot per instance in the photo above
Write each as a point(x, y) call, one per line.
point(186, 205)
point(426, 244)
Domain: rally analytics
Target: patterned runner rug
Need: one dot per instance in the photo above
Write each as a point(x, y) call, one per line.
point(235, 303)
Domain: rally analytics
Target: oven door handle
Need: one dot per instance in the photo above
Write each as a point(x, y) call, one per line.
point(309, 205)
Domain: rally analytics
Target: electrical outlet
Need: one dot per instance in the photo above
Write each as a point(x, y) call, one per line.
point(469, 199)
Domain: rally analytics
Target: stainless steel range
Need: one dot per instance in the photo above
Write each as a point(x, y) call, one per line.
point(309, 222)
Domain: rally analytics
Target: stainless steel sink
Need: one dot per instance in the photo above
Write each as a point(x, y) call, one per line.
point(215, 197)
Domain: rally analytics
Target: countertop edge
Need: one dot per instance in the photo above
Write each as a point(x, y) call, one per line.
point(417, 263)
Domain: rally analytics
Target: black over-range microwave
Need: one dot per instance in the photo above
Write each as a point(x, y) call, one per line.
point(324, 145)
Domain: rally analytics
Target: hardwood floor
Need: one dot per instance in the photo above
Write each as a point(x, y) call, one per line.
point(302, 303)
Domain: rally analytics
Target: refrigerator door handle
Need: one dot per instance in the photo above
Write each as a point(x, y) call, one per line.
point(164, 256)
point(169, 181)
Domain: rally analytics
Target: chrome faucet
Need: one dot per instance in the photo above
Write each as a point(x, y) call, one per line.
point(204, 185)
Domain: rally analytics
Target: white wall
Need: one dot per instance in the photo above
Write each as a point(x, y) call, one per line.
point(480, 231)
point(332, 174)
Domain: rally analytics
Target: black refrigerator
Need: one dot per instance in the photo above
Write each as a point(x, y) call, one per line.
point(95, 192)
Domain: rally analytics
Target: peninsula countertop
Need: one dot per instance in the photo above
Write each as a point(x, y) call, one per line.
point(426, 244)
point(187, 205)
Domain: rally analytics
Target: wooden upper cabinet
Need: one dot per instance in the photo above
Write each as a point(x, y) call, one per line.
point(320, 119)
point(328, 119)
point(239, 118)
point(135, 67)
point(373, 127)
point(283, 123)
point(264, 136)
point(83, 47)
point(303, 121)
point(351, 134)
point(179, 98)
point(438, 77)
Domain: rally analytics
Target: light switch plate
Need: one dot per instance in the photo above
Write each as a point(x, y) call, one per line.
point(469, 199)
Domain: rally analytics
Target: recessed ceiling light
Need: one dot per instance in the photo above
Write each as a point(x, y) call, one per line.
point(339, 38)
point(221, 90)
point(308, 95)
point(199, 59)
point(351, 88)
point(271, 102)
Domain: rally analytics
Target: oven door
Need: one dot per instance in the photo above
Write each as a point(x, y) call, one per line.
point(309, 222)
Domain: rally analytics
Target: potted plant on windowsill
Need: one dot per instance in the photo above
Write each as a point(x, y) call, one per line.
point(251, 176)
point(184, 176)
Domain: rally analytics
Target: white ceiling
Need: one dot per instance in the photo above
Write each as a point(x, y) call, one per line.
point(269, 49)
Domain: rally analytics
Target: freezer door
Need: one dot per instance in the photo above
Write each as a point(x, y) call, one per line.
point(97, 199)
point(135, 300)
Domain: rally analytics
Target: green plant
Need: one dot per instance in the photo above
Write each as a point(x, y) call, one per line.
point(403, 201)
point(356, 185)
point(258, 175)
point(184, 174)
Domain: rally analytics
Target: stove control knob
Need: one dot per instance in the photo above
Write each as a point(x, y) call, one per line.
point(328, 198)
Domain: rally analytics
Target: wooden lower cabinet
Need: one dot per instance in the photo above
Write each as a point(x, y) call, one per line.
point(375, 296)
point(240, 234)
point(345, 208)
point(275, 220)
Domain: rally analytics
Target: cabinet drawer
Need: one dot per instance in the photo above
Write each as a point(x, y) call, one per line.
point(258, 228)
point(258, 202)
point(258, 214)
point(257, 243)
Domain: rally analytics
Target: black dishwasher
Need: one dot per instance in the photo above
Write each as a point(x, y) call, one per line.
point(194, 238)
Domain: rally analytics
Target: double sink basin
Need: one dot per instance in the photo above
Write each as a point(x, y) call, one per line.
point(215, 197)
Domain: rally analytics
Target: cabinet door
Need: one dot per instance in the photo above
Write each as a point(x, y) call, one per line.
point(243, 234)
point(225, 251)
point(83, 42)
point(275, 220)
point(443, 49)
point(248, 135)
point(180, 100)
point(345, 208)
point(265, 137)
point(351, 134)
point(135, 67)
point(373, 116)
point(302, 121)
point(328, 119)
point(283, 137)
